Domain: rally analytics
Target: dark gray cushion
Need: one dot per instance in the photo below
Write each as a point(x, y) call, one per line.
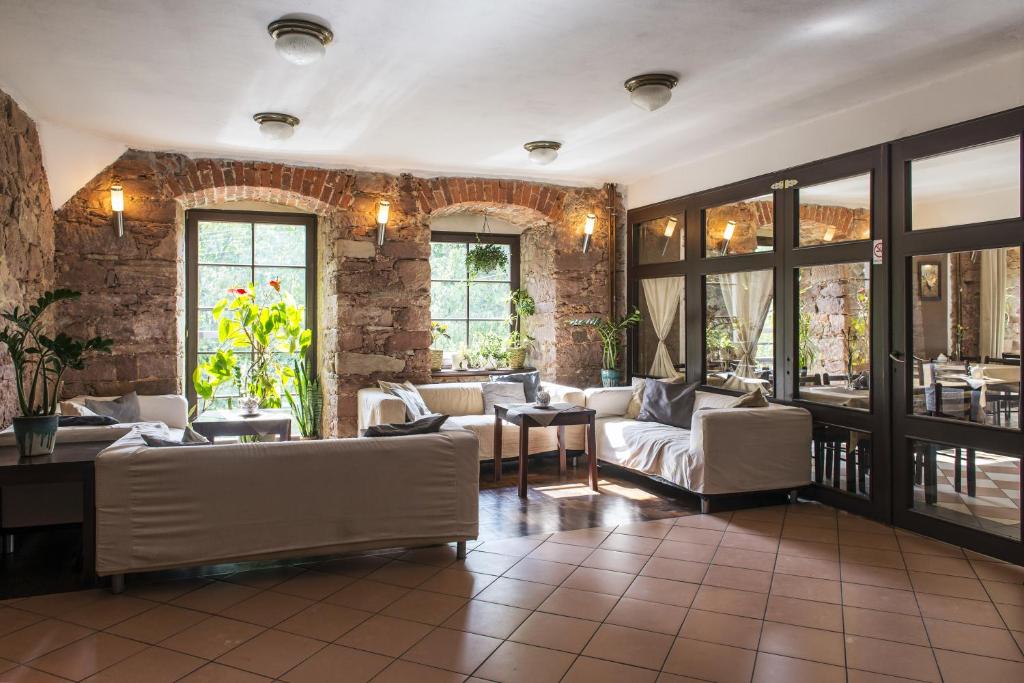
point(669, 404)
point(424, 425)
point(124, 409)
point(189, 438)
point(530, 381)
point(86, 421)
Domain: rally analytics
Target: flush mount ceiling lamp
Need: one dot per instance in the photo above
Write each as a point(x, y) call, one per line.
point(299, 41)
point(276, 126)
point(543, 152)
point(651, 91)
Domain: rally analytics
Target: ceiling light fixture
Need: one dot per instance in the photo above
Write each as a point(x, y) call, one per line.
point(276, 126)
point(299, 41)
point(543, 152)
point(651, 91)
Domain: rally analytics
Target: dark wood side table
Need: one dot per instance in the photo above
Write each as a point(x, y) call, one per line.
point(214, 423)
point(70, 463)
point(523, 420)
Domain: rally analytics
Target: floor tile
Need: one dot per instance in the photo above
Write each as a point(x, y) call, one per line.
point(902, 628)
point(818, 551)
point(1008, 593)
point(804, 613)
point(581, 604)
point(951, 566)
point(748, 541)
point(730, 601)
point(437, 555)
point(218, 673)
point(487, 618)
point(881, 541)
point(211, 638)
point(772, 668)
point(425, 607)
point(617, 561)
point(457, 582)
point(724, 629)
point(894, 659)
point(804, 588)
point(15, 619)
point(803, 643)
point(890, 559)
point(313, 585)
point(657, 529)
point(651, 616)
point(912, 543)
point(710, 661)
point(666, 591)
point(631, 544)
point(456, 650)
point(518, 663)
point(676, 570)
point(515, 547)
point(590, 538)
point(555, 632)
point(737, 577)
point(882, 577)
point(158, 624)
point(524, 594)
point(682, 550)
point(589, 670)
point(998, 571)
point(324, 621)
point(385, 635)
point(267, 608)
point(152, 665)
point(599, 581)
point(745, 559)
point(401, 671)
point(975, 640)
point(23, 674)
point(980, 613)
point(807, 566)
point(326, 665)
point(358, 566)
point(38, 639)
point(882, 599)
point(85, 657)
point(366, 595)
point(958, 667)
point(631, 646)
point(271, 653)
point(1013, 615)
point(695, 535)
point(59, 604)
point(809, 533)
point(107, 610)
point(717, 521)
point(540, 571)
point(164, 591)
point(404, 574)
point(215, 597)
point(486, 563)
point(952, 586)
point(559, 552)
point(264, 578)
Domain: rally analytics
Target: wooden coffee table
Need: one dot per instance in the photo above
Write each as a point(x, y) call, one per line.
point(523, 420)
point(214, 423)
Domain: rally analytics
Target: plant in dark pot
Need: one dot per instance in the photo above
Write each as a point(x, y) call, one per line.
point(610, 331)
point(40, 362)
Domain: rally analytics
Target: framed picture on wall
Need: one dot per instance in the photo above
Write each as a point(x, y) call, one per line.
point(929, 280)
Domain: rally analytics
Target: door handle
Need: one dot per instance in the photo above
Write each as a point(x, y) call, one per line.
point(897, 356)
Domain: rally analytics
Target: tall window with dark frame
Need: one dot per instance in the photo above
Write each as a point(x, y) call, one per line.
point(228, 249)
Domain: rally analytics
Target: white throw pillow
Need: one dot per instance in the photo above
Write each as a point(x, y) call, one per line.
point(415, 406)
point(505, 393)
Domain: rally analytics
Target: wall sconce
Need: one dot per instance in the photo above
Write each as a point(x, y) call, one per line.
point(117, 205)
point(670, 229)
point(830, 234)
point(383, 211)
point(588, 230)
point(730, 228)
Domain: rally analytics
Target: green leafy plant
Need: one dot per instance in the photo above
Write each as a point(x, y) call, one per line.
point(807, 351)
point(40, 361)
point(492, 345)
point(438, 331)
point(858, 342)
point(307, 401)
point(523, 306)
point(610, 331)
point(482, 259)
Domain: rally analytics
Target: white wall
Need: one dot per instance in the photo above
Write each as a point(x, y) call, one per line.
point(72, 158)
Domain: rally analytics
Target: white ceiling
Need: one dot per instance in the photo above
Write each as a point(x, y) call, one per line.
point(455, 86)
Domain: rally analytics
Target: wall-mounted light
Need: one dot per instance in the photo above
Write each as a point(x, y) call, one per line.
point(117, 205)
point(830, 233)
point(383, 212)
point(670, 229)
point(730, 228)
point(588, 230)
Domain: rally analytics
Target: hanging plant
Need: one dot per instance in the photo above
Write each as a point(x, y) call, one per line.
point(483, 259)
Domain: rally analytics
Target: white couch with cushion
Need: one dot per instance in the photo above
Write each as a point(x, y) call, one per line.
point(726, 450)
point(464, 404)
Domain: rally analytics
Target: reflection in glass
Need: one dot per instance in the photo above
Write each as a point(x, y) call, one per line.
point(660, 240)
point(740, 336)
point(223, 242)
point(834, 346)
point(966, 336)
point(742, 227)
point(836, 211)
point(967, 186)
point(841, 458)
point(280, 245)
point(662, 330)
point(969, 487)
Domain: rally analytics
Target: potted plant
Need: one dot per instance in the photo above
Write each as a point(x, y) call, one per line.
point(492, 349)
point(437, 331)
point(807, 352)
point(482, 259)
point(610, 331)
point(40, 362)
point(523, 306)
point(307, 402)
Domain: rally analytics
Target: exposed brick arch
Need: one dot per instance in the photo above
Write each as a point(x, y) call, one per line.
point(438, 194)
point(518, 215)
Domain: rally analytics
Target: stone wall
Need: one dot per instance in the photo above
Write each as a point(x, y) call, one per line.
point(26, 228)
point(829, 299)
point(374, 305)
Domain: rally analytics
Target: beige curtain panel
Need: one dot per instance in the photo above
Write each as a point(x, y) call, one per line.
point(748, 298)
point(992, 334)
point(662, 296)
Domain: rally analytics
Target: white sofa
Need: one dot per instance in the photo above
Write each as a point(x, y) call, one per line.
point(725, 451)
point(179, 506)
point(464, 404)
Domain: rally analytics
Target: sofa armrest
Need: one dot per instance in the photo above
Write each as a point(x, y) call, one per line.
point(563, 394)
point(608, 401)
point(378, 407)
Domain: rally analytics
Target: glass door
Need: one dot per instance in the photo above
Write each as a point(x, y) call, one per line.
point(956, 305)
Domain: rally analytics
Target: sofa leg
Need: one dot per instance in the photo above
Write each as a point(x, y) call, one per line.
point(705, 506)
point(117, 584)
point(460, 550)
point(794, 496)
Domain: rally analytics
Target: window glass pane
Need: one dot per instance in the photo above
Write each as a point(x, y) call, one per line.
point(457, 332)
point(221, 242)
point(207, 339)
point(479, 328)
point(660, 240)
point(488, 300)
point(447, 261)
point(280, 245)
point(841, 459)
point(740, 337)
point(836, 211)
point(966, 336)
point(661, 334)
point(969, 487)
point(293, 281)
point(447, 300)
point(966, 186)
point(503, 273)
point(214, 282)
point(742, 227)
point(834, 350)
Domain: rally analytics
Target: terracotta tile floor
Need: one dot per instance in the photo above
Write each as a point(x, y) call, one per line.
point(785, 593)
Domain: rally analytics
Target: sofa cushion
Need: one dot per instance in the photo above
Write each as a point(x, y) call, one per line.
point(425, 425)
point(752, 399)
point(637, 399)
point(415, 408)
point(669, 404)
point(501, 392)
point(123, 409)
point(189, 437)
point(93, 420)
point(530, 380)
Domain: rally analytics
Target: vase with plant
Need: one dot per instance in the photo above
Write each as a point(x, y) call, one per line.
point(492, 350)
point(438, 331)
point(271, 335)
point(40, 362)
point(519, 342)
point(306, 398)
point(610, 330)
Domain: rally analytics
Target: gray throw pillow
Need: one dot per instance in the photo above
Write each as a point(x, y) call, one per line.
point(124, 409)
point(530, 380)
point(669, 404)
point(425, 425)
point(415, 406)
point(506, 393)
point(189, 438)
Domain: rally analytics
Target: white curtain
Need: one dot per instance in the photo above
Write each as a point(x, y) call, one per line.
point(993, 303)
point(748, 298)
point(662, 298)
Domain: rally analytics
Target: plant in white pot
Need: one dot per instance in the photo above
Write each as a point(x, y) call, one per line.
point(610, 331)
point(40, 362)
